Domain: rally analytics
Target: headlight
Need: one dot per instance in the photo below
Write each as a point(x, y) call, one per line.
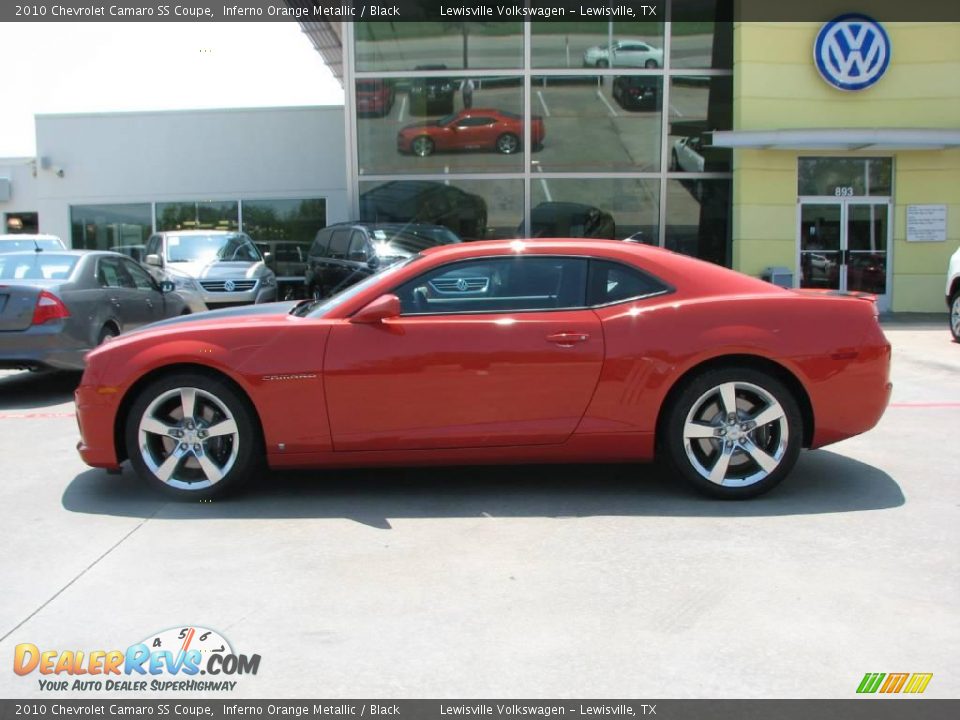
point(269, 280)
point(184, 283)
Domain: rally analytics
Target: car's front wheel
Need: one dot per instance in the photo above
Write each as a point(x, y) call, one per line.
point(422, 146)
point(733, 433)
point(955, 316)
point(192, 436)
point(649, 64)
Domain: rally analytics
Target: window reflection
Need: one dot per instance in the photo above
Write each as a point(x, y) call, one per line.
point(121, 228)
point(457, 45)
point(599, 123)
point(198, 215)
point(602, 208)
point(699, 105)
point(560, 44)
point(473, 209)
point(438, 124)
point(698, 218)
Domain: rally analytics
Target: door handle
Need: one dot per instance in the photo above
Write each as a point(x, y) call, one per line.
point(567, 339)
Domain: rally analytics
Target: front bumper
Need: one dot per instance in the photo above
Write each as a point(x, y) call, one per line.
point(96, 414)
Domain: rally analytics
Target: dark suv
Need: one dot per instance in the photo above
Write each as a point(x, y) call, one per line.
point(346, 253)
point(431, 95)
point(426, 202)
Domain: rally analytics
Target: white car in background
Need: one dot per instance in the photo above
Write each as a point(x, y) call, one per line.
point(687, 154)
point(624, 53)
point(953, 294)
point(29, 241)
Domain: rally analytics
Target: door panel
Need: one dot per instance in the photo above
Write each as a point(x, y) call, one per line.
point(461, 380)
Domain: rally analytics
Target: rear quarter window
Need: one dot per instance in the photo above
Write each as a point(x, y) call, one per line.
point(612, 282)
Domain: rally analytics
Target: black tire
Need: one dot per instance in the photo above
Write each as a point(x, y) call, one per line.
point(776, 443)
point(107, 331)
point(650, 64)
point(422, 146)
point(603, 63)
point(507, 144)
point(955, 316)
point(239, 454)
point(674, 161)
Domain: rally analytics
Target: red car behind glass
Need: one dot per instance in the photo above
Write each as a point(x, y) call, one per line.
point(374, 97)
point(556, 351)
point(474, 129)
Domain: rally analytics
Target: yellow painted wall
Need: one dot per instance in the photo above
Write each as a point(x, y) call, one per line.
point(777, 86)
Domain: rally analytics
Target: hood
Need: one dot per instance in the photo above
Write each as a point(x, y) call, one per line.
point(217, 270)
point(240, 312)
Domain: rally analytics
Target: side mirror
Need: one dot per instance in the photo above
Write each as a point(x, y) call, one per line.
point(153, 260)
point(268, 258)
point(167, 286)
point(384, 307)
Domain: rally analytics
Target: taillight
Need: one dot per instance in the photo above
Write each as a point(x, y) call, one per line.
point(49, 307)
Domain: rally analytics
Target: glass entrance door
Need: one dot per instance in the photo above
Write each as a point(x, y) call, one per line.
point(844, 244)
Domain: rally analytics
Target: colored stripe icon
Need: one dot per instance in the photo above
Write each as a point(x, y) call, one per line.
point(914, 683)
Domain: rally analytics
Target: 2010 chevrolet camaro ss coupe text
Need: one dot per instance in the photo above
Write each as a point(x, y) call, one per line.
point(497, 352)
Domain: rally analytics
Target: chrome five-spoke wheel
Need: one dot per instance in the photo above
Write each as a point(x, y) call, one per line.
point(733, 433)
point(191, 435)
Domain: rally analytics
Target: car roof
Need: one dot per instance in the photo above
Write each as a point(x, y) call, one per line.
point(29, 236)
point(70, 253)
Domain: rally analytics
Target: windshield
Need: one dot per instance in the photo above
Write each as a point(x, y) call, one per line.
point(40, 266)
point(233, 247)
point(18, 245)
point(319, 308)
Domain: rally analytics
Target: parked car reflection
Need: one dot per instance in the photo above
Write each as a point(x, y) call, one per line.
point(474, 129)
point(424, 201)
point(571, 220)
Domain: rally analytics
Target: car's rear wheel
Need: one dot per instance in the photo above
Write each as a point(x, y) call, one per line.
point(650, 64)
point(955, 316)
point(107, 331)
point(603, 63)
point(192, 436)
point(733, 433)
point(422, 146)
point(508, 143)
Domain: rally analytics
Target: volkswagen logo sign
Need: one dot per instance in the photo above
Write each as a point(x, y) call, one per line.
point(462, 285)
point(229, 286)
point(852, 51)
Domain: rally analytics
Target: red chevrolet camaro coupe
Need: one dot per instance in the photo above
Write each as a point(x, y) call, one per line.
point(496, 352)
point(475, 129)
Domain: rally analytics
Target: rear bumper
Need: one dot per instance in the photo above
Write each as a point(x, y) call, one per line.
point(40, 347)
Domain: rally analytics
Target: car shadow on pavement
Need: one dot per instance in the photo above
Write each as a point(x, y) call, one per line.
point(32, 390)
point(822, 482)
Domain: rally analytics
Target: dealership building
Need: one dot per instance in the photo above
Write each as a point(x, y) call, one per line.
point(826, 151)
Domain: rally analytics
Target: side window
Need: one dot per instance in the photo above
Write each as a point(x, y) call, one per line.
point(338, 244)
point(358, 247)
point(139, 276)
point(153, 245)
point(497, 285)
point(611, 282)
point(320, 243)
point(109, 275)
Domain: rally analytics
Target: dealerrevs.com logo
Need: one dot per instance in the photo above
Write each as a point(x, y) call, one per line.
point(179, 659)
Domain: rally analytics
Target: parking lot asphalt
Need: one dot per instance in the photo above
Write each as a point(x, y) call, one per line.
point(515, 582)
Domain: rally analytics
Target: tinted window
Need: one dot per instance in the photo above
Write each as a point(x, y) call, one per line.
point(339, 244)
point(109, 274)
point(320, 244)
point(612, 282)
point(497, 285)
point(358, 247)
point(37, 266)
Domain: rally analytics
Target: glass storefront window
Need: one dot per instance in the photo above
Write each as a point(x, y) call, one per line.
point(198, 215)
point(381, 46)
point(699, 105)
point(285, 229)
point(438, 124)
point(615, 209)
point(593, 44)
point(698, 218)
point(844, 176)
point(598, 123)
point(121, 227)
point(696, 41)
point(473, 209)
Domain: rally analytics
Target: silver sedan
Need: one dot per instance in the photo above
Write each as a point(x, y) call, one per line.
point(55, 306)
